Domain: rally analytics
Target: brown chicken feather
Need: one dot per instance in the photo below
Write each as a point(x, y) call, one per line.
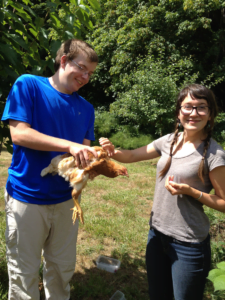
point(65, 165)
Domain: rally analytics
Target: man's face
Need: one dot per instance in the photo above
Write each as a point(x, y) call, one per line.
point(76, 73)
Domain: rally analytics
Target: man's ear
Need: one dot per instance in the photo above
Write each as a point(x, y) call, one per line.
point(63, 61)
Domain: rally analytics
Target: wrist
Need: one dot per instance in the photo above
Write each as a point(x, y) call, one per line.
point(199, 197)
point(196, 194)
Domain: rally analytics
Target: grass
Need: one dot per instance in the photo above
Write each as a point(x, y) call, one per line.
point(116, 216)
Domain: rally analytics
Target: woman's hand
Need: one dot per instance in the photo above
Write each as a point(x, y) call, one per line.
point(176, 188)
point(107, 145)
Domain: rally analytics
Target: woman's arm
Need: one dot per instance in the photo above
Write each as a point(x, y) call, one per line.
point(22, 134)
point(217, 201)
point(129, 156)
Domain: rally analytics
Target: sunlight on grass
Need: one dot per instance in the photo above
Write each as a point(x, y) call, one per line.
point(116, 216)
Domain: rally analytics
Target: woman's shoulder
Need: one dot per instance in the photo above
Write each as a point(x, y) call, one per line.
point(163, 143)
point(215, 148)
point(215, 155)
point(166, 138)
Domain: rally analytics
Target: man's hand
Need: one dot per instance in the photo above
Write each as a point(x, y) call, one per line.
point(80, 152)
point(107, 145)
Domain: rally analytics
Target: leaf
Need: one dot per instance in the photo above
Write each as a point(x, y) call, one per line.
point(1, 16)
point(52, 6)
point(94, 4)
point(221, 265)
point(35, 33)
point(50, 64)
point(70, 19)
point(9, 54)
point(27, 2)
point(17, 39)
point(84, 8)
point(43, 38)
point(10, 15)
point(15, 23)
point(69, 34)
point(20, 11)
point(84, 18)
point(74, 2)
point(66, 8)
point(29, 10)
point(219, 283)
point(215, 273)
point(55, 20)
point(54, 47)
point(39, 22)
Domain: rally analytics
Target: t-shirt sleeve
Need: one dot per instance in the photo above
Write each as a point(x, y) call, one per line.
point(217, 156)
point(90, 132)
point(159, 143)
point(19, 104)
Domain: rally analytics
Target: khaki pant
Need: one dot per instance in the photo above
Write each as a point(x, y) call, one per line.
point(30, 230)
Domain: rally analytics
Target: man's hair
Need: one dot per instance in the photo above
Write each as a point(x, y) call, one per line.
point(71, 48)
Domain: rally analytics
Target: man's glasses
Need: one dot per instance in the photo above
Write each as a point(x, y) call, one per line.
point(82, 70)
point(201, 110)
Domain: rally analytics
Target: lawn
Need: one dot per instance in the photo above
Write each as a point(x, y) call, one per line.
point(116, 216)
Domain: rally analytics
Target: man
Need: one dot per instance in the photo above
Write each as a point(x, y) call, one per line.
point(46, 117)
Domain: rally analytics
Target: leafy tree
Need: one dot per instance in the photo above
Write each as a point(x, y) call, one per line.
point(146, 47)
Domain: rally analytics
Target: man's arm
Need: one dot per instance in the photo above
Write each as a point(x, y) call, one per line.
point(22, 134)
point(87, 142)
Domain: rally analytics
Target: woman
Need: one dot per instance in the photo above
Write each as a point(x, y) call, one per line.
point(191, 164)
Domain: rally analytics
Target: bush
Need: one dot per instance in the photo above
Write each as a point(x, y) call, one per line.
point(150, 96)
point(219, 130)
point(125, 140)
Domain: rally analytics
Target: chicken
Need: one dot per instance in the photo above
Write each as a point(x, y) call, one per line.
point(65, 165)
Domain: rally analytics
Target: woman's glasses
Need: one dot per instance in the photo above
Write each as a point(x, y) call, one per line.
point(201, 110)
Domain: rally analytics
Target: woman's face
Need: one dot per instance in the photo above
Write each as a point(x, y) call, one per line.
point(190, 118)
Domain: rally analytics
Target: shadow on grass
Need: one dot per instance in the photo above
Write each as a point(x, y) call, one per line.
point(3, 279)
point(93, 284)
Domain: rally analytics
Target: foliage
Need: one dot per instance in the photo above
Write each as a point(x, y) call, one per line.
point(124, 136)
point(151, 90)
point(125, 140)
point(217, 276)
point(139, 42)
point(218, 251)
point(30, 36)
point(180, 29)
point(219, 132)
point(105, 123)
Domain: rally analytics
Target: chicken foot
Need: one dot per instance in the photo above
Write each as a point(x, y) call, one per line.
point(77, 212)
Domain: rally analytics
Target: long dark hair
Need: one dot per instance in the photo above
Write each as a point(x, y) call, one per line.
point(196, 91)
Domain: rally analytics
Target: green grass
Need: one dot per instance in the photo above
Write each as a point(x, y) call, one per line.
point(116, 216)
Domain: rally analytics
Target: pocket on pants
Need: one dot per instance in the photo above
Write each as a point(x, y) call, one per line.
point(12, 249)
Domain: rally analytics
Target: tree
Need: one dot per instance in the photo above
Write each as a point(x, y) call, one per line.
point(183, 37)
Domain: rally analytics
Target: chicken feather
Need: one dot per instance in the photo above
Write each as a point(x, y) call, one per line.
point(65, 165)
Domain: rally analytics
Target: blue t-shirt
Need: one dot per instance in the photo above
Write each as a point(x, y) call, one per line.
point(33, 100)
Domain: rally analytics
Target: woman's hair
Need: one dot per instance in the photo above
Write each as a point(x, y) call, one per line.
point(196, 91)
point(71, 48)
